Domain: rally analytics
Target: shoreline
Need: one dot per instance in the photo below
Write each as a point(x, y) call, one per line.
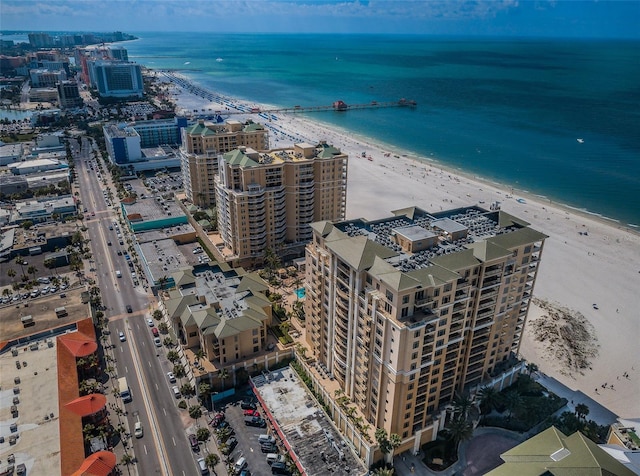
point(587, 260)
point(410, 155)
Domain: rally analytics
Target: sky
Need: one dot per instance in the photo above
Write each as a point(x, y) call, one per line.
point(528, 18)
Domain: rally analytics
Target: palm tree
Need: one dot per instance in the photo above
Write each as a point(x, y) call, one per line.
point(211, 461)
point(461, 405)
point(384, 472)
point(512, 401)
point(19, 262)
point(32, 270)
point(157, 314)
point(173, 356)
point(581, 411)
point(178, 371)
point(222, 375)
point(11, 273)
point(394, 442)
point(531, 368)
point(383, 442)
point(489, 399)
point(458, 430)
point(195, 412)
point(199, 354)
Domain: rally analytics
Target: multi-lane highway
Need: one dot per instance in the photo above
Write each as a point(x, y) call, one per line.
point(164, 448)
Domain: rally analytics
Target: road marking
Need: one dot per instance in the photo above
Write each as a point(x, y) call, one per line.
point(156, 384)
point(174, 441)
point(145, 449)
point(149, 362)
point(126, 369)
point(164, 467)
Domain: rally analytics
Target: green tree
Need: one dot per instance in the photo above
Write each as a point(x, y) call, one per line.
point(173, 356)
point(222, 375)
point(32, 270)
point(458, 430)
point(512, 402)
point(20, 262)
point(178, 371)
point(195, 412)
point(581, 411)
point(211, 461)
point(531, 368)
point(157, 314)
point(489, 399)
point(203, 434)
point(461, 405)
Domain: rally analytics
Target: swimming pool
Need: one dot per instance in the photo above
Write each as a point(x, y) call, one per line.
point(301, 293)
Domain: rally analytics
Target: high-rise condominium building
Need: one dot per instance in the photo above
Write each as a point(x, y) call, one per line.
point(201, 145)
point(116, 78)
point(407, 310)
point(69, 95)
point(267, 200)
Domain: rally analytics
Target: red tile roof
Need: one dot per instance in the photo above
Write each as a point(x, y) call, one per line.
point(97, 464)
point(87, 405)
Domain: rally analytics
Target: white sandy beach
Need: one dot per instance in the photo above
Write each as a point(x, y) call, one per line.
point(585, 261)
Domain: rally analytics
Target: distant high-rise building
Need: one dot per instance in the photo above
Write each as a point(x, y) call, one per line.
point(408, 310)
point(116, 78)
point(201, 145)
point(69, 95)
point(267, 200)
point(40, 40)
point(118, 53)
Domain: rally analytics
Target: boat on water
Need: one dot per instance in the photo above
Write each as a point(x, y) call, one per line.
point(581, 141)
point(219, 60)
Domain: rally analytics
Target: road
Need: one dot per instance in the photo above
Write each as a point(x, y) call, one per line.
point(144, 364)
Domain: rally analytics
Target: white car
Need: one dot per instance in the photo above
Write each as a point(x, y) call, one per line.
point(138, 431)
point(157, 342)
point(150, 322)
point(122, 337)
point(172, 378)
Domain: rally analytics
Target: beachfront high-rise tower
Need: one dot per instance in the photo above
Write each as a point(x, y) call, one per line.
point(408, 310)
point(267, 200)
point(201, 145)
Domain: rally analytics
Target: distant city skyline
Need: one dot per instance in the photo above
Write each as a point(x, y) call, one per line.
point(507, 18)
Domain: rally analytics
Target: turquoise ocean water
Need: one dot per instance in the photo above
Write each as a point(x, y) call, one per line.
point(508, 111)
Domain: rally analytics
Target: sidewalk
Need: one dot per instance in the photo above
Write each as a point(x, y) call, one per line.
point(597, 413)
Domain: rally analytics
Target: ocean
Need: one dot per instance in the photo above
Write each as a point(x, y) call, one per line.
point(509, 111)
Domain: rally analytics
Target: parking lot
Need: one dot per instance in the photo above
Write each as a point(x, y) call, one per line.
point(247, 436)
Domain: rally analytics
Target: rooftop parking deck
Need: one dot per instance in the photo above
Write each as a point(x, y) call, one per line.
point(304, 426)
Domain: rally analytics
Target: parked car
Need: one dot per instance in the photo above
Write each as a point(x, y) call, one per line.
point(251, 413)
point(266, 439)
point(171, 377)
point(150, 322)
point(247, 405)
point(268, 448)
point(155, 332)
point(279, 468)
point(195, 444)
point(255, 421)
point(157, 341)
point(229, 446)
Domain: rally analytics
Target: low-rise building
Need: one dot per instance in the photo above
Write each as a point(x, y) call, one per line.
point(553, 453)
point(224, 313)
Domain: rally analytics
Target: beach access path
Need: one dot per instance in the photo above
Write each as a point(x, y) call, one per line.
point(585, 260)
